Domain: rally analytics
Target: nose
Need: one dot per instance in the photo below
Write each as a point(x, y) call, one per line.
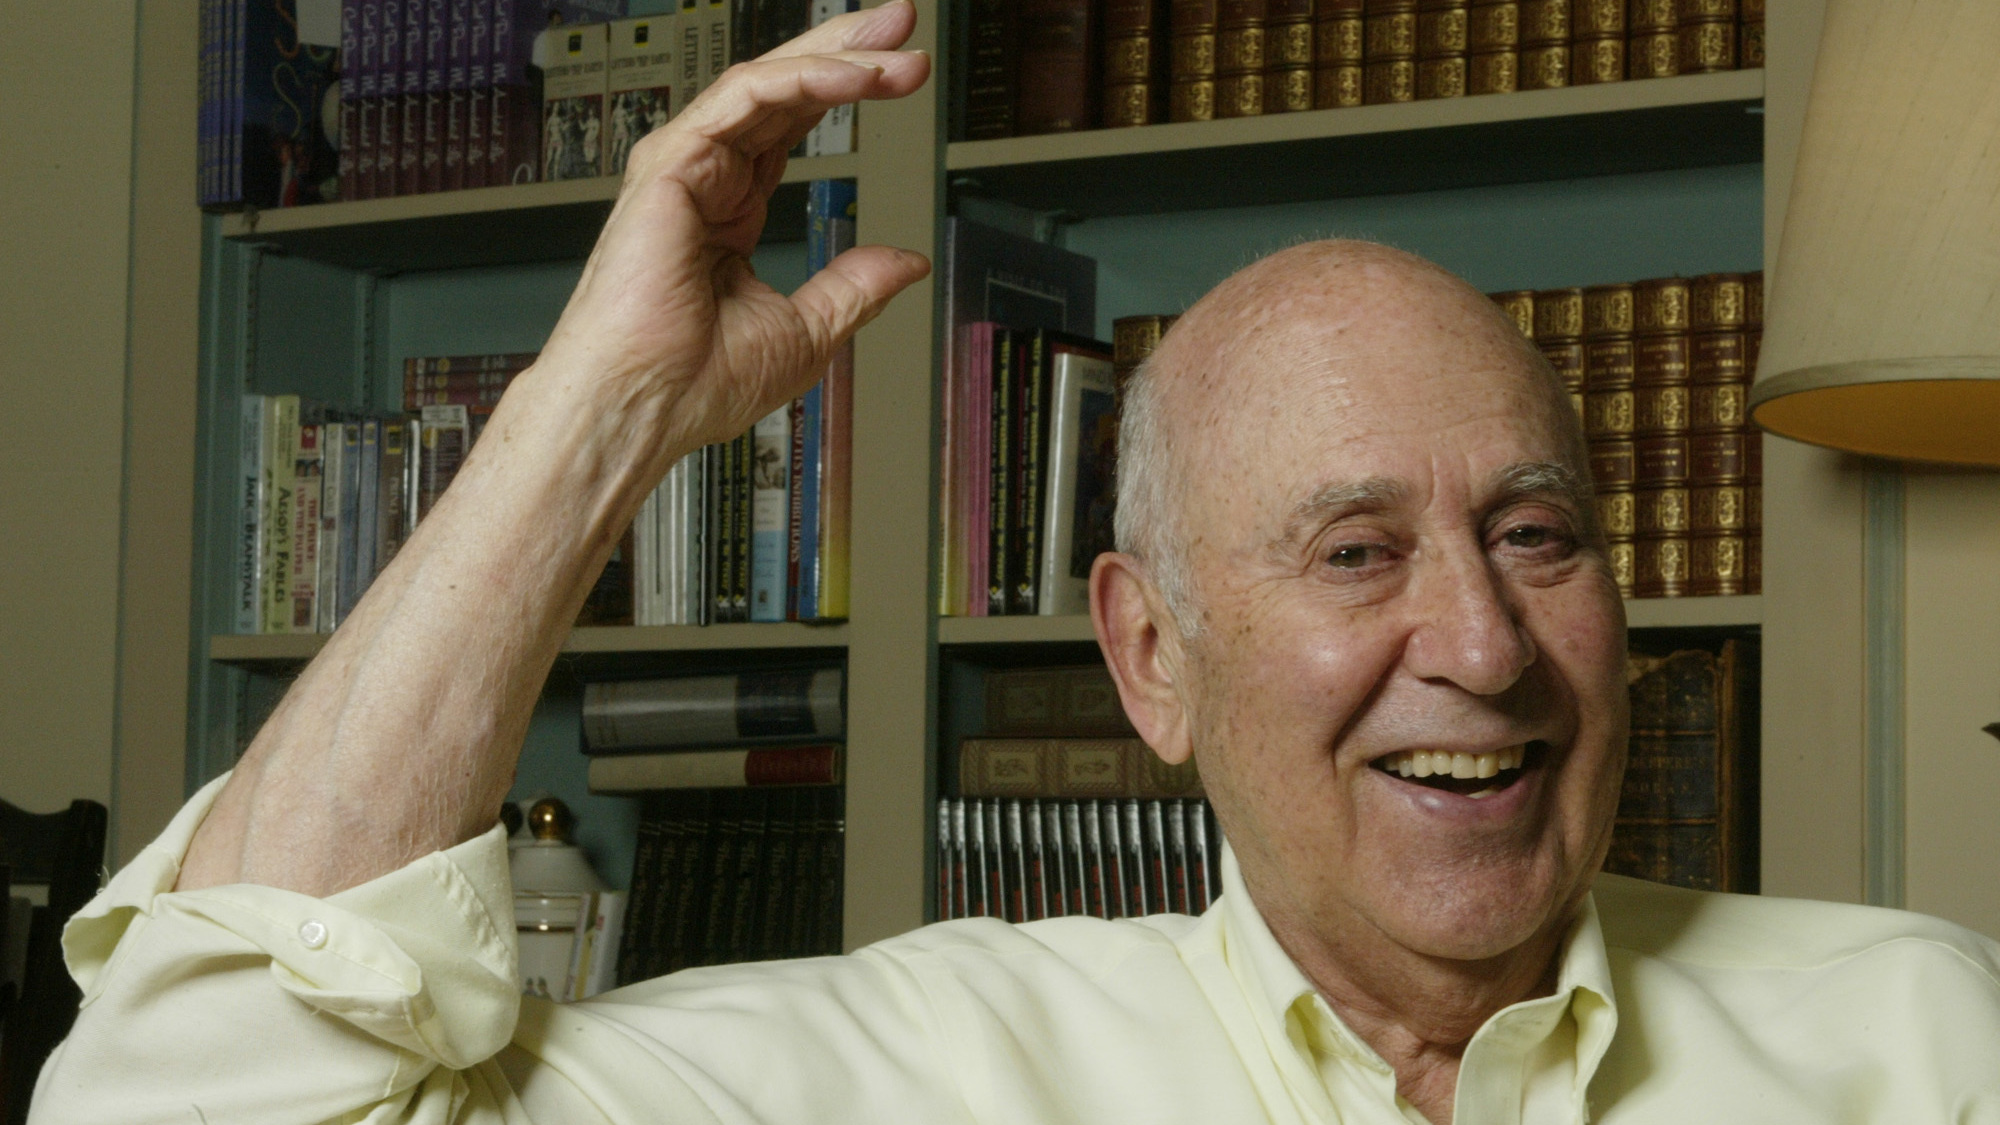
point(1466, 630)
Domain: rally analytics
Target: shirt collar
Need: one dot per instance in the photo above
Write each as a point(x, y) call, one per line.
point(1267, 973)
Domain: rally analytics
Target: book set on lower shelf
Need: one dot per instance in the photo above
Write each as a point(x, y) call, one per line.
point(329, 301)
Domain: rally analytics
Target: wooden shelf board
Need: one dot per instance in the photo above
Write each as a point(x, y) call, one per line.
point(1666, 613)
point(486, 226)
point(1013, 630)
point(1690, 121)
point(1640, 613)
point(280, 648)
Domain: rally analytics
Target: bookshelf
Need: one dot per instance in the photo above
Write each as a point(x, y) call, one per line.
point(326, 301)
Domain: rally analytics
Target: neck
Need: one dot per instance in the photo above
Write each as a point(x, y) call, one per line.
point(1417, 1011)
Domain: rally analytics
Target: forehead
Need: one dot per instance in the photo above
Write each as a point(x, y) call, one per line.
point(1421, 387)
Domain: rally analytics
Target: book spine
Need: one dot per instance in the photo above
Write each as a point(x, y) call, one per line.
point(1055, 859)
point(351, 579)
point(457, 90)
point(282, 419)
point(367, 524)
point(1288, 56)
point(1178, 889)
point(689, 32)
point(1093, 875)
point(774, 881)
point(410, 100)
point(478, 90)
point(1202, 887)
point(812, 486)
point(390, 515)
point(747, 892)
point(685, 907)
point(1057, 84)
point(1240, 53)
point(1030, 455)
point(795, 494)
point(332, 470)
point(826, 935)
point(992, 66)
point(446, 433)
point(771, 508)
point(307, 493)
point(766, 705)
point(834, 134)
point(1076, 868)
point(726, 832)
point(716, 769)
point(250, 526)
point(1007, 352)
point(1192, 60)
point(1158, 863)
point(573, 93)
point(1135, 63)
point(437, 45)
point(947, 861)
point(718, 50)
point(1033, 848)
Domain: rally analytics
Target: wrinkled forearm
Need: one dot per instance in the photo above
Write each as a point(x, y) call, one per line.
point(400, 739)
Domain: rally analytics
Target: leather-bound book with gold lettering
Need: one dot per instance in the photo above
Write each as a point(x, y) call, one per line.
point(1519, 306)
point(1241, 29)
point(1687, 809)
point(1390, 73)
point(991, 48)
point(1493, 38)
point(1653, 49)
point(1443, 41)
point(1559, 333)
point(1661, 311)
point(1545, 33)
point(1288, 56)
point(1135, 63)
point(1707, 35)
point(1133, 339)
point(1191, 60)
point(1597, 42)
point(1057, 90)
point(1726, 514)
point(1339, 39)
point(1750, 34)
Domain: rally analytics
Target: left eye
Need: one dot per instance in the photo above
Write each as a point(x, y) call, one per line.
point(1529, 536)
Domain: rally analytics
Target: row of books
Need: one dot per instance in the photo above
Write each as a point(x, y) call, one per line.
point(766, 726)
point(753, 529)
point(1022, 860)
point(1050, 66)
point(726, 875)
point(1687, 814)
point(400, 97)
point(263, 133)
point(1660, 371)
point(607, 85)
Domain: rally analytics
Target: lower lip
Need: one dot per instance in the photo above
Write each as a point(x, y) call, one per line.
point(1501, 805)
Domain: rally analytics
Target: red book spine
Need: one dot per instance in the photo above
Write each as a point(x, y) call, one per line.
point(792, 765)
point(1057, 85)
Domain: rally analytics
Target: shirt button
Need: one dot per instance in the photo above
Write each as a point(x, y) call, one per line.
point(313, 933)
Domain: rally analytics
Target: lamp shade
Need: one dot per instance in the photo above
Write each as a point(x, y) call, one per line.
point(1882, 330)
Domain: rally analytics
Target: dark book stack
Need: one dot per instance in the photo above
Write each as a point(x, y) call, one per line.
point(1029, 425)
point(1661, 372)
point(1060, 809)
point(1688, 812)
point(738, 855)
point(260, 134)
point(727, 875)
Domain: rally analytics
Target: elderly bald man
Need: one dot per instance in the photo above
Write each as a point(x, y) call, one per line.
point(1356, 527)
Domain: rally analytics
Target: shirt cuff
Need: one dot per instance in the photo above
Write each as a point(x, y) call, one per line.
point(422, 958)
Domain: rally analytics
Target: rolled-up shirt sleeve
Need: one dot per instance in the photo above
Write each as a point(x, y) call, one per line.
point(385, 993)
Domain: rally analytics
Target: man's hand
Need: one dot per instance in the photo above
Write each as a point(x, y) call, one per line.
point(668, 306)
point(400, 738)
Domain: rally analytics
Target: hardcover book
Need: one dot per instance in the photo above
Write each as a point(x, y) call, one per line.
point(759, 707)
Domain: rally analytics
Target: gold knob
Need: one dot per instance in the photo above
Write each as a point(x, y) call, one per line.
point(550, 819)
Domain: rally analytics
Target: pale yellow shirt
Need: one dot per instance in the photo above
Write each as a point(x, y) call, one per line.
point(395, 1002)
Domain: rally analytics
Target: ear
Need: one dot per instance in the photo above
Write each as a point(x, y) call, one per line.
point(1142, 646)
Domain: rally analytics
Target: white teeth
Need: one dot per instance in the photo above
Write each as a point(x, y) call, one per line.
point(1446, 763)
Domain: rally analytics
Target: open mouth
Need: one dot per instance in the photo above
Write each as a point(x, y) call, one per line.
point(1468, 775)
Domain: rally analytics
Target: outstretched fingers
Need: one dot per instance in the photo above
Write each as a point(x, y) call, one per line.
point(755, 104)
point(835, 302)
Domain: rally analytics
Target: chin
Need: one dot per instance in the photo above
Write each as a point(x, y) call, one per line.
point(1479, 915)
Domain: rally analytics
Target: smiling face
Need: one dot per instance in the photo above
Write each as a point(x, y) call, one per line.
point(1406, 691)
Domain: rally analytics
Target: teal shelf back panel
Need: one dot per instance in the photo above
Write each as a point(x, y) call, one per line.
point(1513, 236)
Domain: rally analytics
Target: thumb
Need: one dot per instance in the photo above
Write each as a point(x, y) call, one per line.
point(852, 290)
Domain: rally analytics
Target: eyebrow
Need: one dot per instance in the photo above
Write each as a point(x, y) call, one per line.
point(1341, 498)
point(1518, 480)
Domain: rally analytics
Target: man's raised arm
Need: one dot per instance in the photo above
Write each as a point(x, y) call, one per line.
point(400, 739)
